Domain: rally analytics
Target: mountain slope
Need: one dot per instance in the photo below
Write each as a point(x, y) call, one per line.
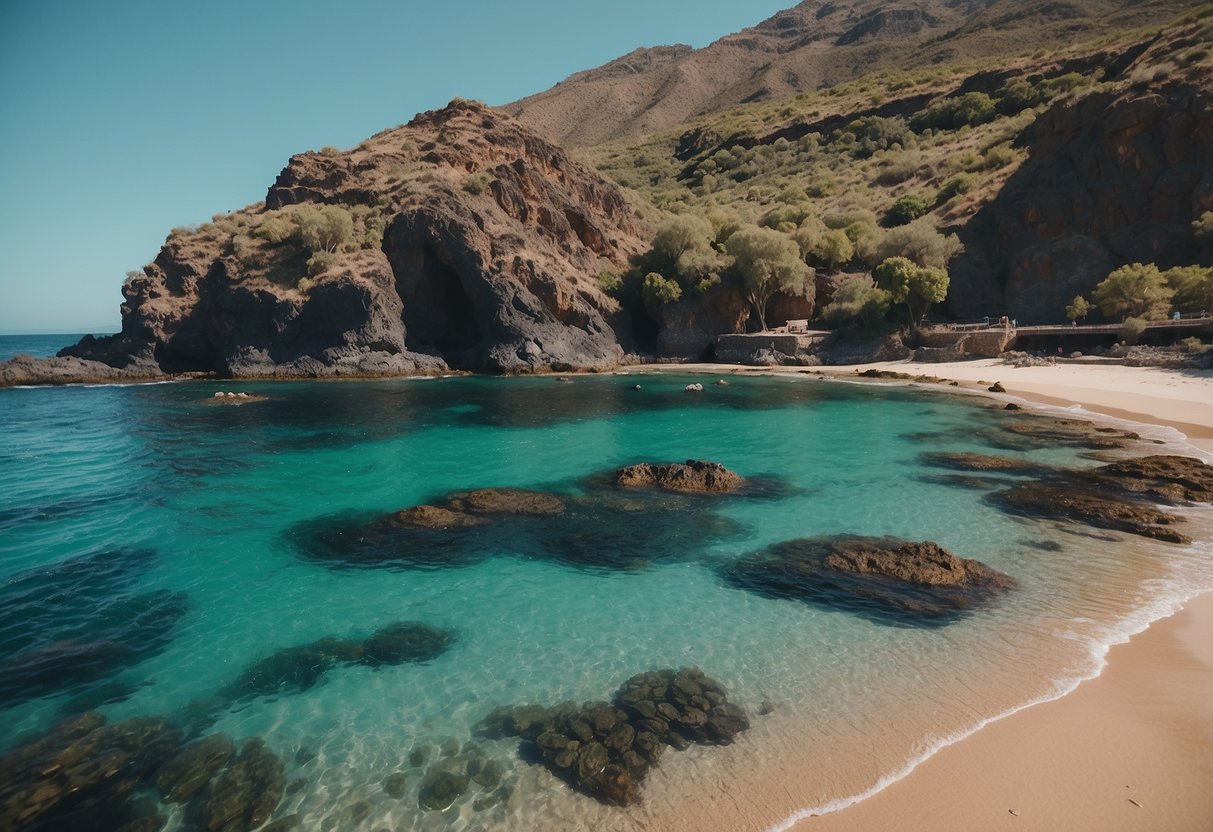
point(816, 44)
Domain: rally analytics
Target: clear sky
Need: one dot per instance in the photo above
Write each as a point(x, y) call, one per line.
point(122, 119)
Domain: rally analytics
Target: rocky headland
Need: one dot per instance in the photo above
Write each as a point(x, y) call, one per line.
point(459, 241)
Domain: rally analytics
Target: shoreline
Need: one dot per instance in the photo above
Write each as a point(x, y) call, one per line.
point(1130, 747)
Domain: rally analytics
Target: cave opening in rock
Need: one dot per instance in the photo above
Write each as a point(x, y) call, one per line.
point(438, 312)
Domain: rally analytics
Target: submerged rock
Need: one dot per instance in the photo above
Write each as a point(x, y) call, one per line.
point(966, 461)
point(81, 773)
point(1048, 430)
point(407, 641)
point(884, 578)
point(440, 788)
point(292, 669)
point(1167, 478)
point(605, 750)
point(693, 475)
point(186, 774)
point(1072, 502)
point(245, 794)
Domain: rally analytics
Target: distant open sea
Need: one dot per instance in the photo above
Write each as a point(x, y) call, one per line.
point(39, 346)
point(166, 543)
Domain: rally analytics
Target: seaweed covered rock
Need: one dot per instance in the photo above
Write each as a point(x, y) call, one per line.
point(884, 578)
point(1071, 501)
point(244, 795)
point(693, 475)
point(1163, 477)
point(81, 773)
point(967, 461)
point(605, 749)
point(189, 771)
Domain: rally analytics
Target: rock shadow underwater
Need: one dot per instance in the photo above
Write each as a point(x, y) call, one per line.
point(72, 626)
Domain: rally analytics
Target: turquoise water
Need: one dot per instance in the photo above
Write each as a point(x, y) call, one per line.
point(203, 511)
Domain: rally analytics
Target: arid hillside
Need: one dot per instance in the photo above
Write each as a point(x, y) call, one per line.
point(815, 45)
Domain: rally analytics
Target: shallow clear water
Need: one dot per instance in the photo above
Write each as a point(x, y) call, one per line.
point(218, 496)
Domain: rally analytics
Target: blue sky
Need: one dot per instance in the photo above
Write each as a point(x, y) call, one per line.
point(120, 120)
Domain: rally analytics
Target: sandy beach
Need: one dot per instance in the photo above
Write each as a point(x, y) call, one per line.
point(1129, 750)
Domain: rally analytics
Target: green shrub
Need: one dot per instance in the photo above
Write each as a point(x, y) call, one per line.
point(998, 156)
point(476, 183)
point(906, 209)
point(610, 282)
point(277, 227)
point(656, 291)
point(968, 110)
point(959, 184)
point(1137, 290)
point(319, 263)
point(1131, 330)
point(1078, 308)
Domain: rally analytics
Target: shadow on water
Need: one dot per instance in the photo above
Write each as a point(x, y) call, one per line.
point(67, 627)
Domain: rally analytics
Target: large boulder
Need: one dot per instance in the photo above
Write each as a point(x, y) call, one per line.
point(883, 578)
point(693, 475)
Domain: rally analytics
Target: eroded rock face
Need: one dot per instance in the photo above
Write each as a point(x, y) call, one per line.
point(692, 475)
point(884, 578)
point(1113, 178)
point(491, 239)
point(605, 749)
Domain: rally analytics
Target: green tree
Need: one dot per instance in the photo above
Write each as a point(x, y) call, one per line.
point(657, 292)
point(857, 297)
point(921, 242)
point(915, 286)
point(766, 262)
point(1193, 287)
point(833, 249)
point(1078, 308)
point(907, 208)
point(1136, 290)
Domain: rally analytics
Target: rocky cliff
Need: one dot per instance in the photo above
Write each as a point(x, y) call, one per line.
point(1115, 177)
point(459, 240)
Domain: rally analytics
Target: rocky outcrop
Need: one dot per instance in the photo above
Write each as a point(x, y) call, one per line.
point(693, 475)
point(1065, 501)
point(469, 244)
point(1112, 178)
point(882, 578)
point(1163, 477)
point(605, 749)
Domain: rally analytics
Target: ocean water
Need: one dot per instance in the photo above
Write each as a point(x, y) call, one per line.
point(171, 540)
point(39, 346)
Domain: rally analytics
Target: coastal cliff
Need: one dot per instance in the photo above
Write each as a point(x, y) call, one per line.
point(459, 241)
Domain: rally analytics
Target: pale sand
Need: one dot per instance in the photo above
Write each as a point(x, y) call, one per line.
point(1142, 731)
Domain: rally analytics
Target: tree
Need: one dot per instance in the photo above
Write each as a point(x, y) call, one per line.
point(1078, 308)
point(1193, 287)
point(1136, 290)
point(915, 286)
point(766, 262)
point(921, 242)
point(834, 248)
point(907, 208)
point(657, 292)
point(857, 297)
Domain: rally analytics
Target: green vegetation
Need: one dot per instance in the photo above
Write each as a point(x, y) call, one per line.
point(1078, 308)
point(1136, 290)
point(906, 209)
point(914, 285)
point(765, 262)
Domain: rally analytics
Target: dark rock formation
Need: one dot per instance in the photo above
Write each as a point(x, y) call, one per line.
point(186, 774)
point(602, 529)
point(604, 749)
point(693, 475)
point(475, 245)
point(1071, 501)
point(244, 795)
point(1045, 430)
point(967, 461)
point(296, 669)
point(1115, 177)
point(72, 625)
point(1165, 478)
point(882, 578)
point(80, 774)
